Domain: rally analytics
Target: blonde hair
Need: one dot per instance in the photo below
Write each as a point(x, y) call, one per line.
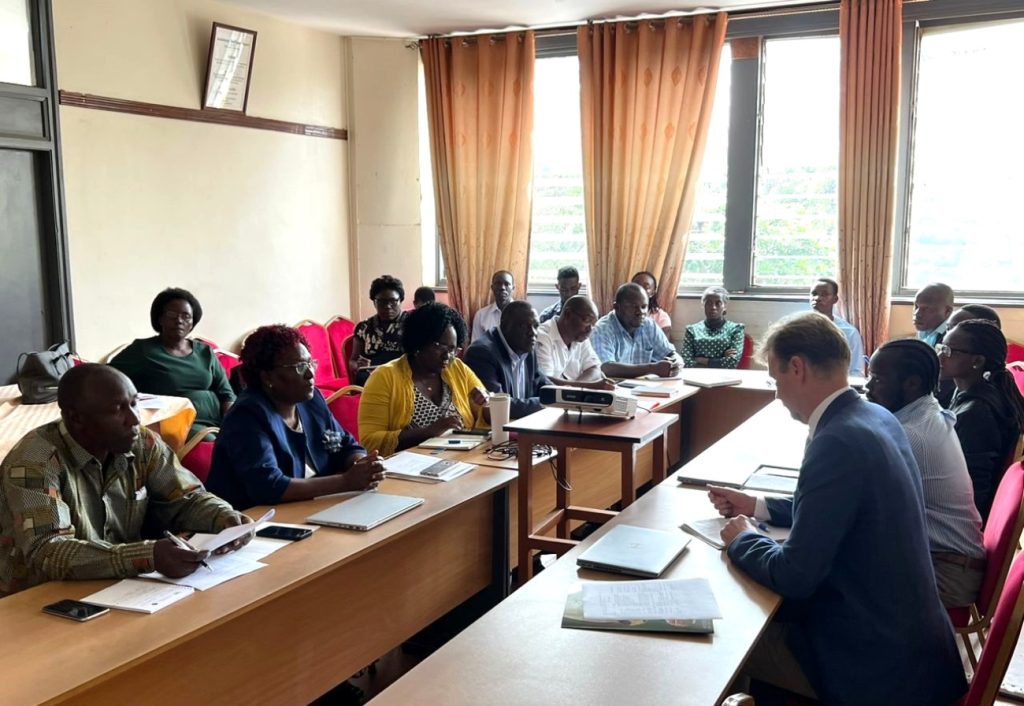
point(810, 335)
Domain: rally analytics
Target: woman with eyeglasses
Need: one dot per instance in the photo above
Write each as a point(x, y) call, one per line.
point(988, 406)
point(171, 363)
point(280, 443)
point(378, 339)
point(427, 391)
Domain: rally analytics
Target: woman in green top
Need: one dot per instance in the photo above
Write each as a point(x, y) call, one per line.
point(172, 364)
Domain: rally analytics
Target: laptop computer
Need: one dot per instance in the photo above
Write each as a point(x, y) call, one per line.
point(636, 551)
point(364, 512)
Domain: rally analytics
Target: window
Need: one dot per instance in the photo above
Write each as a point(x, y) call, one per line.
point(17, 60)
point(966, 181)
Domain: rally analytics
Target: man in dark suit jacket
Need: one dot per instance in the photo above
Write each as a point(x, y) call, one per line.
point(862, 622)
point(505, 361)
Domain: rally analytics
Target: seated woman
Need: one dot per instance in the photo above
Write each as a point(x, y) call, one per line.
point(654, 311)
point(988, 406)
point(378, 339)
point(170, 363)
point(713, 342)
point(280, 442)
point(427, 391)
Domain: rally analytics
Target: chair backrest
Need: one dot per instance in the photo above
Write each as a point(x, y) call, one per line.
point(748, 352)
point(1002, 530)
point(228, 360)
point(344, 405)
point(339, 329)
point(1014, 352)
point(1001, 641)
point(207, 341)
point(346, 349)
point(197, 454)
point(113, 354)
point(1017, 370)
point(319, 349)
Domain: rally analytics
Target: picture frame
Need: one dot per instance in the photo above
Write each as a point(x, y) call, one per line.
point(229, 68)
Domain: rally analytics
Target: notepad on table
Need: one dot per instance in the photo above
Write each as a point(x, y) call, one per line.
point(139, 596)
point(712, 380)
point(573, 617)
point(773, 479)
point(424, 469)
point(455, 442)
point(654, 390)
point(709, 531)
point(671, 599)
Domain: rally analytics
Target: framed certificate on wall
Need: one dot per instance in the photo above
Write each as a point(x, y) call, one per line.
point(229, 68)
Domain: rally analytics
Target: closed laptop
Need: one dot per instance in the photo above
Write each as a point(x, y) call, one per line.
point(364, 512)
point(636, 551)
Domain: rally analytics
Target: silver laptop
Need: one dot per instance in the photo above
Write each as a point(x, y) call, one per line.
point(636, 551)
point(364, 512)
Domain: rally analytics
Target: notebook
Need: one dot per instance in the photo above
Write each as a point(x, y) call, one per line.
point(714, 380)
point(572, 617)
point(636, 551)
point(455, 442)
point(364, 512)
point(773, 479)
point(654, 390)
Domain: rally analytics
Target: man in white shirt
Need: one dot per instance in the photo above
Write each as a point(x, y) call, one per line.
point(824, 297)
point(564, 352)
point(502, 286)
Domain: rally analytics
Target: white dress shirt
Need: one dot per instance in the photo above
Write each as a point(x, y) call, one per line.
point(487, 318)
point(555, 359)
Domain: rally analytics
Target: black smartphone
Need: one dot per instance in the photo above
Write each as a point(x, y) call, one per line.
point(75, 610)
point(292, 534)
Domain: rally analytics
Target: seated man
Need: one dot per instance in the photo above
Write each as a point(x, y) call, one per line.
point(932, 306)
point(862, 622)
point(423, 296)
point(75, 493)
point(502, 286)
point(504, 360)
point(568, 286)
point(628, 343)
point(903, 374)
point(824, 296)
point(564, 352)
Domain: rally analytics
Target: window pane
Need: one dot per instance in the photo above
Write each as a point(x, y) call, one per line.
point(796, 224)
point(968, 147)
point(705, 251)
point(558, 236)
point(16, 60)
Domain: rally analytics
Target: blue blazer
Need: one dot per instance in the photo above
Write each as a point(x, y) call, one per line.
point(856, 572)
point(489, 359)
point(256, 455)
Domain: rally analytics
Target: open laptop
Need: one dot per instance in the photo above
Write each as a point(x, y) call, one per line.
point(364, 512)
point(636, 551)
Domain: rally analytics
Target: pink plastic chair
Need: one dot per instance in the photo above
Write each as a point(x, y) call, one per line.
point(1002, 640)
point(1017, 370)
point(340, 329)
point(197, 453)
point(327, 378)
point(344, 405)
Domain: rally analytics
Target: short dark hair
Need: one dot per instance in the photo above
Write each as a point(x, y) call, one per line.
point(982, 311)
point(831, 283)
point(385, 282)
point(514, 309)
point(160, 302)
point(427, 324)
point(424, 294)
point(810, 335)
point(259, 352)
point(624, 289)
point(568, 272)
point(73, 383)
point(986, 339)
point(652, 301)
point(912, 356)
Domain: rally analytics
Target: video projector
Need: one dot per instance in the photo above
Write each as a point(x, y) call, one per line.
point(579, 399)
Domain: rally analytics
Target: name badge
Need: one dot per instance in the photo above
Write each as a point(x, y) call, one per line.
point(141, 494)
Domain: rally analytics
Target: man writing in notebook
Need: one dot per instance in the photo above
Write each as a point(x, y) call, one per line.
point(564, 352)
point(77, 494)
point(862, 622)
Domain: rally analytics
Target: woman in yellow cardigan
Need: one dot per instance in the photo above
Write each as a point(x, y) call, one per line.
point(427, 391)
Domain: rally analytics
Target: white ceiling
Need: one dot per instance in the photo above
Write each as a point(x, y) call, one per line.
point(406, 18)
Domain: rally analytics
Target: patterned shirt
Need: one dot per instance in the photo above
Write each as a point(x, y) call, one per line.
point(701, 341)
point(382, 343)
point(613, 344)
point(425, 412)
point(550, 312)
point(63, 515)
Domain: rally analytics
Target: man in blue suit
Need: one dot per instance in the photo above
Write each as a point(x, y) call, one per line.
point(504, 359)
point(862, 622)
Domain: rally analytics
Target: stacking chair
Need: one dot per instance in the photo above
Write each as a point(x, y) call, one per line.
point(1017, 370)
point(113, 354)
point(327, 378)
point(1005, 522)
point(1003, 632)
point(1014, 352)
point(748, 352)
point(339, 330)
point(344, 405)
point(197, 453)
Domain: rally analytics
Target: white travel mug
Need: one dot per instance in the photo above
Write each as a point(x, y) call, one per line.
point(499, 404)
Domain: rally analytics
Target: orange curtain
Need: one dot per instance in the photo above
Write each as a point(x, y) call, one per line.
point(480, 113)
point(646, 93)
point(870, 33)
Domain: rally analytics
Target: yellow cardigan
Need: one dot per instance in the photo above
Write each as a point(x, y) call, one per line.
point(386, 406)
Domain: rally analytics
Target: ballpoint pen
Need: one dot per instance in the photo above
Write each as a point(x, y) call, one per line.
point(182, 544)
point(763, 527)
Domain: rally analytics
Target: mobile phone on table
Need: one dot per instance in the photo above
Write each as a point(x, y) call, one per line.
point(75, 610)
point(292, 534)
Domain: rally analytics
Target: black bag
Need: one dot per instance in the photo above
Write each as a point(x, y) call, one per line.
point(39, 372)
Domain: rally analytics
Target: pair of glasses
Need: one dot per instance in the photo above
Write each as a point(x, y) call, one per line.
point(446, 351)
point(172, 316)
point(944, 351)
point(301, 368)
point(381, 301)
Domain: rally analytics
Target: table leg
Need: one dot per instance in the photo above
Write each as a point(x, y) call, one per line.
point(659, 465)
point(499, 548)
point(525, 565)
point(562, 493)
point(628, 465)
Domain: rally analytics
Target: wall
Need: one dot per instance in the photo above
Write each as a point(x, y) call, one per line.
point(254, 223)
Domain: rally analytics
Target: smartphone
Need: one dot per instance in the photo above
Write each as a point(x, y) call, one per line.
point(292, 534)
point(75, 610)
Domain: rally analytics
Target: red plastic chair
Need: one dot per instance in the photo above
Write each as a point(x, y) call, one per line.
point(197, 454)
point(339, 330)
point(748, 352)
point(327, 378)
point(1014, 352)
point(1002, 530)
point(1002, 640)
point(1016, 369)
point(344, 405)
point(228, 360)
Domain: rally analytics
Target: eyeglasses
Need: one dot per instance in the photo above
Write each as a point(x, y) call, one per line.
point(301, 368)
point(175, 316)
point(444, 350)
point(944, 351)
point(383, 301)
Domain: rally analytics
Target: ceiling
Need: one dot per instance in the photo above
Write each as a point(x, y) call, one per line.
point(407, 18)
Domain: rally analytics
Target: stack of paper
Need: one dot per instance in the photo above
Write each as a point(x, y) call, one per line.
point(139, 596)
point(677, 605)
point(424, 469)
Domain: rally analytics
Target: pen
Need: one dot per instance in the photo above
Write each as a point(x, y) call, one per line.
point(182, 544)
point(762, 526)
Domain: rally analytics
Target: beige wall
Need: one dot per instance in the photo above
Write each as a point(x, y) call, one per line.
point(254, 223)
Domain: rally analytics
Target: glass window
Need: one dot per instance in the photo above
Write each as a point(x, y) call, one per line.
point(17, 63)
point(705, 250)
point(796, 221)
point(968, 146)
point(558, 236)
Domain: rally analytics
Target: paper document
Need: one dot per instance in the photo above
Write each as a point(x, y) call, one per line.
point(257, 549)
point(408, 462)
point(675, 599)
point(710, 530)
point(139, 596)
point(216, 541)
point(223, 567)
point(425, 469)
point(145, 401)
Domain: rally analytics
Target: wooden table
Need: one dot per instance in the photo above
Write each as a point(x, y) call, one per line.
point(321, 610)
point(564, 430)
